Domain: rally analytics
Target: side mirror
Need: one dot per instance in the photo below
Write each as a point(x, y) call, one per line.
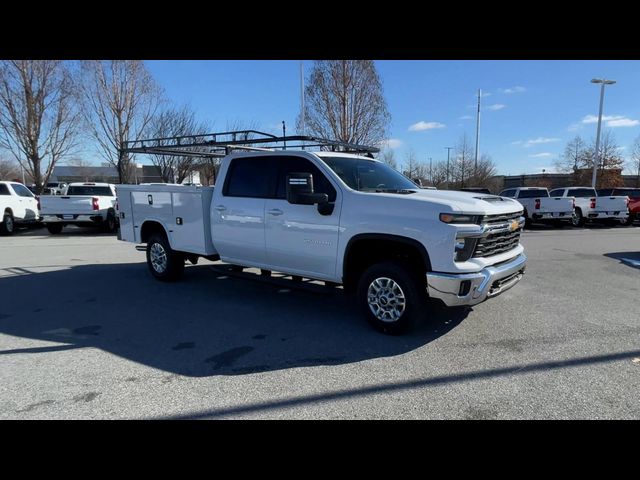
point(300, 190)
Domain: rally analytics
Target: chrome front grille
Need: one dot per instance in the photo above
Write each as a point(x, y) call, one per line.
point(500, 237)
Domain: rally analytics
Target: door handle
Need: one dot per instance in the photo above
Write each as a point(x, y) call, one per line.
point(275, 211)
point(220, 208)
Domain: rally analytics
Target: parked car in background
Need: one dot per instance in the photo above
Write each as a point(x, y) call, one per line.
point(18, 205)
point(634, 200)
point(590, 207)
point(84, 204)
point(56, 188)
point(540, 207)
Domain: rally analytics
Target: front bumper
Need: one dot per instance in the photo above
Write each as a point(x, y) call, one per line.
point(487, 283)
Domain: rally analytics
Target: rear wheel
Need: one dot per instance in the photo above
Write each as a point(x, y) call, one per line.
point(577, 220)
point(630, 219)
point(164, 263)
point(389, 297)
point(109, 225)
point(54, 228)
point(7, 226)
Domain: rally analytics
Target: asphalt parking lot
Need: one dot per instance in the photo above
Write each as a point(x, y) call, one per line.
point(85, 332)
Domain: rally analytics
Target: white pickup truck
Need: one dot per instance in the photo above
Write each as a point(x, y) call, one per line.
point(539, 207)
point(18, 205)
point(337, 217)
point(83, 204)
point(589, 207)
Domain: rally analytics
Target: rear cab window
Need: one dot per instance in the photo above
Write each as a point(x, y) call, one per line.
point(536, 193)
point(559, 192)
point(581, 193)
point(4, 190)
point(90, 190)
point(250, 177)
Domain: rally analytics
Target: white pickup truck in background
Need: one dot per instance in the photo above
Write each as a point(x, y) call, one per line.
point(18, 205)
point(84, 204)
point(590, 207)
point(336, 217)
point(540, 207)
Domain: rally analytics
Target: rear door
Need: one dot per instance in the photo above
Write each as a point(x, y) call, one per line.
point(26, 204)
point(237, 214)
point(299, 239)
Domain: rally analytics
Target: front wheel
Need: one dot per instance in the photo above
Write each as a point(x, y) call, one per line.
point(7, 226)
point(164, 263)
point(390, 297)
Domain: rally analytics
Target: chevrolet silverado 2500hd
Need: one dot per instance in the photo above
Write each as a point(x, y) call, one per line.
point(590, 207)
point(539, 207)
point(83, 204)
point(337, 217)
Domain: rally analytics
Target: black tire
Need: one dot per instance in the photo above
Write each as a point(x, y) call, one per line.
point(410, 289)
point(109, 225)
point(7, 227)
point(578, 220)
point(527, 220)
point(54, 228)
point(630, 219)
point(172, 267)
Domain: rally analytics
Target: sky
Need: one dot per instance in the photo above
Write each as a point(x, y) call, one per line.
point(529, 109)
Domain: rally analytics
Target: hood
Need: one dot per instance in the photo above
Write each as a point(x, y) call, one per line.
point(462, 202)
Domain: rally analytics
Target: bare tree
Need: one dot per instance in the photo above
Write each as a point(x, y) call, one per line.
point(9, 170)
point(345, 102)
point(574, 156)
point(463, 163)
point(485, 172)
point(173, 122)
point(38, 115)
point(439, 174)
point(635, 159)
point(387, 156)
point(119, 100)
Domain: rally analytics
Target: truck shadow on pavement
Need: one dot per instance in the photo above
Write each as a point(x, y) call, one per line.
point(631, 259)
point(210, 323)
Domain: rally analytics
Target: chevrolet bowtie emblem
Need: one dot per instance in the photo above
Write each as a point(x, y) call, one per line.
point(514, 225)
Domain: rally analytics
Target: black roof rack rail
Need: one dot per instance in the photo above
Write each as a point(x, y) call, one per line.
point(221, 143)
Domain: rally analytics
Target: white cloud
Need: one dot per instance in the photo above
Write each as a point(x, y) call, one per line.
point(542, 155)
point(574, 127)
point(611, 121)
point(622, 122)
point(420, 126)
point(539, 141)
point(466, 117)
point(485, 94)
point(391, 143)
point(496, 106)
point(511, 90)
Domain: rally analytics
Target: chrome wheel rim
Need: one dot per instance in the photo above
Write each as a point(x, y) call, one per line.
point(575, 219)
point(158, 258)
point(386, 300)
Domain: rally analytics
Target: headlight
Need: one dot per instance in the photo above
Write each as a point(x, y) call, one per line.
point(458, 218)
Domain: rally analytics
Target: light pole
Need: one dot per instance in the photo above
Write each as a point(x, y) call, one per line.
point(448, 153)
point(475, 165)
point(596, 156)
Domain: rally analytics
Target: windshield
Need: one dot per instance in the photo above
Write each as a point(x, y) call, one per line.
point(369, 176)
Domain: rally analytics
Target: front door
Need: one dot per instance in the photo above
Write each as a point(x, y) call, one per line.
point(298, 238)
